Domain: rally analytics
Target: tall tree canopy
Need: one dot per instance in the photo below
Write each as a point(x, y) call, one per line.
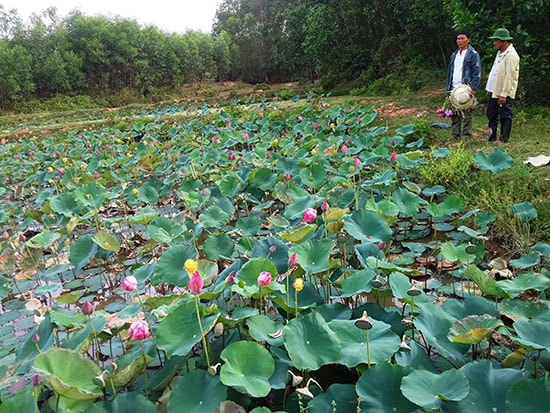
point(268, 41)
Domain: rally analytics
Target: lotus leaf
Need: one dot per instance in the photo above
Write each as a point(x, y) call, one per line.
point(207, 394)
point(379, 389)
point(310, 342)
point(68, 373)
point(248, 367)
point(429, 390)
point(495, 161)
point(473, 329)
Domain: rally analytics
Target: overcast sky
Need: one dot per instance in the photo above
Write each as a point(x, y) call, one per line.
point(168, 15)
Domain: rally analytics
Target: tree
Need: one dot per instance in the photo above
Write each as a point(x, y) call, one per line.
point(15, 75)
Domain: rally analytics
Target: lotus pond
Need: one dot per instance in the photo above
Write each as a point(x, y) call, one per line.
point(259, 258)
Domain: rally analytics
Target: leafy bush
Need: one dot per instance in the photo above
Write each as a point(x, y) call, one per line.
point(449, 170)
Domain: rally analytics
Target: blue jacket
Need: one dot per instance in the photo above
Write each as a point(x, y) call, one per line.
point(471, 69)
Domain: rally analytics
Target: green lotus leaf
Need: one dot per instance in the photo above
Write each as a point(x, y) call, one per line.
point(22, 401)
point(68, 373)
point(456, 252)
point(486, 284)
point(495, 161)
point(307, 298)
point(129, 402)
point(64, 204)
point(473, 329)
point(450, 205)
point(264, 178)
point(313, 256)
point(441, 153)
point(92, 195)
point(435, 323)
point(543, 248)
point(523, 283)
point(82, 251)
point(529, 395)
point(523, 309)
point(214, 217)
point(524, 211)
point(250, 225)
point(129, 367)
point(407, 202)
point(170, 267)
point(208, 392)
point(263, 328)
point(314, 176)
point(383, 342)
point(231, 184)
point(488, 388)
point(43, 240)
point(339, 398)
point(357, 283)
point(148, 193)
point(429, 390)
point(107, 241)
point(143, 216)
point(367, 226)
point(179, 331)
point(248, 367)
point(532, 334)
point(379, 389)
point(366, 250)
point(526, 261)
point(310, 342)
point(246, 281)
point(218, 246)
point(295, 209)
point(164, 230)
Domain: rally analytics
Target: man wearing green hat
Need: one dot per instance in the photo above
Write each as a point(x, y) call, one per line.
point(502, 84)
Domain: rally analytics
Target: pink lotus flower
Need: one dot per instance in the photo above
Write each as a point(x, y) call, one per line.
point(129, 283)
point(343, 148)
point(299, 118)
point(87, 308)
point(393, 156)
point(36, 379)
point(316, 126)
point(264, 278)
point(287, 177)
point(357, 162)
point(309, 215)
point(214, 138)
point(61, 171)
point(245, 136)
point(325, 206)
point(292, 260)
point(231, 277)
point(196, 283)
point(139, 330)
point(97, 175)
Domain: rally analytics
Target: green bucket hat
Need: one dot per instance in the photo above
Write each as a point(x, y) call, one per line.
point(501, 34)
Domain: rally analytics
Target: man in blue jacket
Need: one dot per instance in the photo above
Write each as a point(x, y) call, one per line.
point(464, 68)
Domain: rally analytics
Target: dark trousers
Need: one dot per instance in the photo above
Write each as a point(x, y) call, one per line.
point(503, 113)
point(461, 123)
